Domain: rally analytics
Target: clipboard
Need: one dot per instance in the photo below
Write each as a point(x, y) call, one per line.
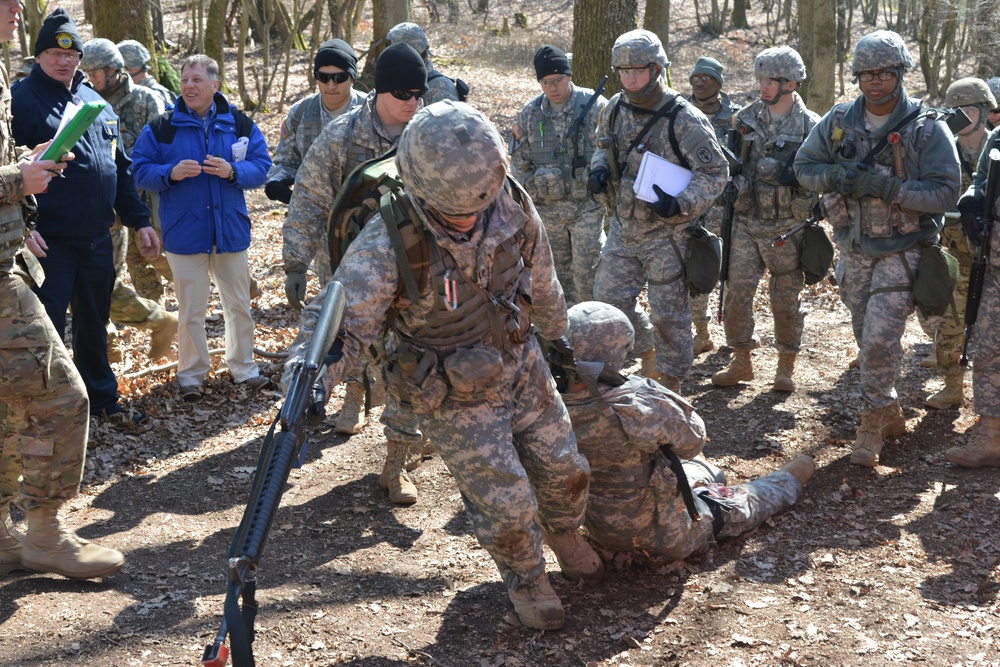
point(75, 128)
point(654, 169)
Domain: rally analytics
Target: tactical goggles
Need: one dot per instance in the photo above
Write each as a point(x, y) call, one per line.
point(407, 95)
point(336, 77)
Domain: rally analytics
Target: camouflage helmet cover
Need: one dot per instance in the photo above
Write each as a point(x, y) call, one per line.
point(100, 53)
point(881, 49)
point(136, 55)
point(636, 48)
point(779, 62)
point(994, 86)
point(409, 33)
point(452, 158)
point(968, 91)
point(599, 332)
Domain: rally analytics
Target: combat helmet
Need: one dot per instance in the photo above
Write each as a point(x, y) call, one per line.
point(636, 48)
point(994, 86)
point(599, 332)
point(100, 53)
point(409, 33)
point(969, 91)
point(136, 55)
point(452, 158)
point(779, 62)
point(882, 49)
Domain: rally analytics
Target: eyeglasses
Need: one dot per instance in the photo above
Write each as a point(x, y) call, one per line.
point(881, 75)
point(702, 78)
point(631, 70)
point(327, 77)
point(68, 56)
point(552, 84)
point(768, 82)
point(407, 95)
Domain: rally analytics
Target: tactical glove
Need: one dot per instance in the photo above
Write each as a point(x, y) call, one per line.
point(597, 180)
point(562, 353)
point(842, 177)
point(295, 288)
point(279, 190)
point(666, 205)
point(317, 404)
point(874, 184)
point(971, 210)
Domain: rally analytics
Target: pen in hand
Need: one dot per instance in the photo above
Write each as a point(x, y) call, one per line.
point(56, 173)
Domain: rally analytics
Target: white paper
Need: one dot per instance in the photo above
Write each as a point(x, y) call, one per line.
point(654, 169)
point(67, 116)
point(240, 149)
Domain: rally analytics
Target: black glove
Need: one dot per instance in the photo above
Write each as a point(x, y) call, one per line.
point(971, 210)
point(597, 180)
point(874, 184)
point(279, 190)
point(562, 353)
point(666, 206)
point(317, 405)
point(295, 288)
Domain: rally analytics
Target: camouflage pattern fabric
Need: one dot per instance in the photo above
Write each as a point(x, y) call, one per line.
point(304, 122)
point(574, 221)
point(341, 146)
point(986, 339)
point(512, 454)
point(439, 87)
point(158, 89)
point(638, 249)
point(775, 208)
point(135, 106)
point(634, 502)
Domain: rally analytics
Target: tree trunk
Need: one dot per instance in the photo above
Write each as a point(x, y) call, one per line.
point(596, 26)
point(34, 15)
point(657, 19)
point(215, 34)
point(740, 14)
point(821, 63)
point(123, 19)
point(385, 14)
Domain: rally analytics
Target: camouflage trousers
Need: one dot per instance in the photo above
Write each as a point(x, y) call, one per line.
point(513, 456)
point(576, 234)
point(648, 512)
point(750, 254)
point(879, 295)
point(627, 263)
point(985, 343)
point(127, 307)
point(147, 275)
point(45, 405)
point(948, 330)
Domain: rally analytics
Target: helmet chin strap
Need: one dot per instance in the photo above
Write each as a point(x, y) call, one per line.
point(777, 97)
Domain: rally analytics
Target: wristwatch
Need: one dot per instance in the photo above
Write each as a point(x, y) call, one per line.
point(232, 176)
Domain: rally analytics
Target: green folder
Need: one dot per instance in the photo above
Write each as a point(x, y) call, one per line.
point(74, 129)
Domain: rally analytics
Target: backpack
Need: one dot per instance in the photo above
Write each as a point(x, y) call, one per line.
point(460, 86)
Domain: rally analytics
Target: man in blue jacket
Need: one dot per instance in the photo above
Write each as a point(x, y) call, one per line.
point(200, 157)
point(76, 212)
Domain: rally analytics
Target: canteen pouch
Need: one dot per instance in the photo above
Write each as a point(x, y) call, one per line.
point(702, 261)
point(474, 373)
point(816, 255)
point(416, 379)
point(934, 285)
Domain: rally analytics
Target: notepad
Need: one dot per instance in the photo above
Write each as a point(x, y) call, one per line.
point(655, 170)
point(74, 123)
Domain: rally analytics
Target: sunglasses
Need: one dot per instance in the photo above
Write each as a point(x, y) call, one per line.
point(407, 95)
point(336, 77)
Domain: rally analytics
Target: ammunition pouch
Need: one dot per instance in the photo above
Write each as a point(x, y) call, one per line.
point(546, 185)
point(415, 378)
point(474, 373)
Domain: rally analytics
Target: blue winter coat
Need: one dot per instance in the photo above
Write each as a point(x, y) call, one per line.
point(205, 211)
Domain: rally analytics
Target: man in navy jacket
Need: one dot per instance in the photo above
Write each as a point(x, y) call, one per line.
point(76, 212)
point(200, 157)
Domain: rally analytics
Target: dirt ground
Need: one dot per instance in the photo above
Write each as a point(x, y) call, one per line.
point(893, 565)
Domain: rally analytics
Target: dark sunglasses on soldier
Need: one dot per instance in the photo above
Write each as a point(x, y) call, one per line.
point(407, 95)
point(336, 77)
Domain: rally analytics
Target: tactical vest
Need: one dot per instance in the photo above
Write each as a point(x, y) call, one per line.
point(767, 161)
point(11, 223)
point(551, 152)
point(363, 140)
point(129, 110)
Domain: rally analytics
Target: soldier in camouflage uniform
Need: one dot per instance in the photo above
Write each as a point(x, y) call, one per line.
point(137, 60)
point(482, 390)
point(553, 168)
point(631, 430)
point(135, 107)
point(993, 119)
point(948, 331)
point(706, 95)
point(647, 240)
point(335, 68)
point(41, 460)
point(366, 132)
point(439, 87)
point(984, 450)
point(770, 202)
point(881, 215)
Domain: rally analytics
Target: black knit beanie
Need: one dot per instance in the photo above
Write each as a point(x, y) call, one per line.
point(550, 60)
point(338, 53)
point(399, 67)
point(58, 31)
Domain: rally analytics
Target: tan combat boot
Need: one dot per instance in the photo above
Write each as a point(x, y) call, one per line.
point(10, 542)
point(856, 361)
point(50, 547)
point(702, 339)
point(671, 382)
point(801, 468)
point(394, 476)
point(647, 369)
point(352, 414)
point(984, 450)
point(162, 326)
point(422, 450)
point(577, 559)
point(783, 376)
point(537, 605)
point(740, 369)
point(953, 394)
point(893, 421)
point(868, 444)
point(115, 355)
